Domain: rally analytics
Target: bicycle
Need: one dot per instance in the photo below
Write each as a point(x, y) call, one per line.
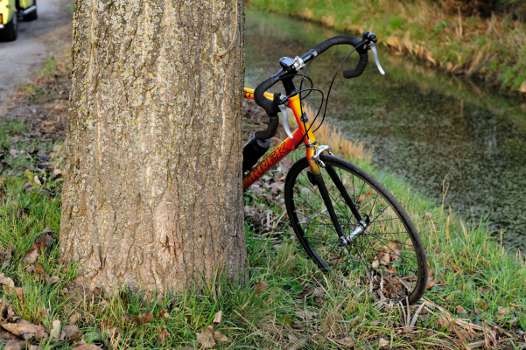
point(343, 218)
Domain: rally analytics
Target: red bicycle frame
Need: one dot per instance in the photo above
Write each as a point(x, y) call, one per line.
point(286, 146)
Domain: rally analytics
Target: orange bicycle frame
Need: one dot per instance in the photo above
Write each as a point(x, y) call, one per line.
point(288, 145)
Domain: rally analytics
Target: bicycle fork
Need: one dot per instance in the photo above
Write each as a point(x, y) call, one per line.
point(317, 180)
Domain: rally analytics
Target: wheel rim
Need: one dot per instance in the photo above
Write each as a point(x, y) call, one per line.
point(383, 256)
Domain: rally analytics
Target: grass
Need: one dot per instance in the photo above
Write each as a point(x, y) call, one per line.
point(478, 294)
point(286, 300)
point(491, 49)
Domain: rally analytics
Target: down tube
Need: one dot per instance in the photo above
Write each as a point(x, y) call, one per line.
point(288, 145)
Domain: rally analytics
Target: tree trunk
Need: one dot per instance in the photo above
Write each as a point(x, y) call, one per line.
point(152, 197)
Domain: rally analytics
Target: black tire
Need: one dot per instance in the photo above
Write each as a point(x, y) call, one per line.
point(10, 31)
point(32, 15)
point(391, 263)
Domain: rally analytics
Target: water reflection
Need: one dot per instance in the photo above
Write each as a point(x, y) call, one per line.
point(433, 130)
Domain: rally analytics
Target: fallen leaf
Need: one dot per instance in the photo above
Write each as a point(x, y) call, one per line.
point(87, 347)
point(502, 311)
point(6, 311)
point(56, 327)
point(25, 330)
point(218, 316)
point(5, 256)
point(53, 279)
point(15, 345)
point(430, 281)
point(163, 335)
point(31, 257)
point(70, 333)
point(375, 264)
point(307, 315)
point(444, 321)
point(206, 338)
point(6, 281)
point(318, 292)
point(220, 337)
point(385, 258)
point(74, 318)
point(460, 310)
point(347, 342)
point(19, 293)
point(45, 240)
point(260, 287)
point(383, 343)
point(144, 318)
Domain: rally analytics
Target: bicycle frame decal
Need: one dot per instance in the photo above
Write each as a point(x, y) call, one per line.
point(286, 146)
point(272, 158)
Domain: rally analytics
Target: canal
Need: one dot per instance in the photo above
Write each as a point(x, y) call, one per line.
point(449, 139)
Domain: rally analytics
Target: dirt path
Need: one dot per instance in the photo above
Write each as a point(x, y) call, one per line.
point(37, 40)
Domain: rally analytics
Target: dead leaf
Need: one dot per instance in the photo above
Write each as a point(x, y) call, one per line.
point(5, 256)
point(384, 258)
point(144, 318)
point(460, 310)
point(44, 241)
point(430, 281)
point(220, 337)
point(260, 287)
point(74, 318)
point(6, 311)
point(70, 333)
point(347, 342)
point(218, 316)
point(87, 347)
point(56, 327)
point(6, 281)
point(163, 335)
point(25, 330)
point(53, 279)
point(31, 257)
point(318, 292)
point(375, 264)
point(296, 343)
point(502, 311)
point(307, 315)
point(383, 343)
point(15, 345)
point(444, 321)
point(206, 338)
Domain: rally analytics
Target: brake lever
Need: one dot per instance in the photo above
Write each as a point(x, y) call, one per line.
point(372, 46)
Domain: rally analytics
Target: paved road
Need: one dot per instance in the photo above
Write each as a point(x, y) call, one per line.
point(36, 41)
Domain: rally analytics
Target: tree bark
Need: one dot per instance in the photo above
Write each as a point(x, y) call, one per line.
point(152, 196)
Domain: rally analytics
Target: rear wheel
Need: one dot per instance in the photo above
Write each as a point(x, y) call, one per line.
point(349, 224)
point(10, 31)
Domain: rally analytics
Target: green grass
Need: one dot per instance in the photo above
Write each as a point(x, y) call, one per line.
point(492, 49)
point(286, 299)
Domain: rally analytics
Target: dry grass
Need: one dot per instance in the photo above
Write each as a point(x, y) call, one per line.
point(489, 48)
point(338, 142)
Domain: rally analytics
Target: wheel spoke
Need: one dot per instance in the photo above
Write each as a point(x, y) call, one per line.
point(386, 249)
